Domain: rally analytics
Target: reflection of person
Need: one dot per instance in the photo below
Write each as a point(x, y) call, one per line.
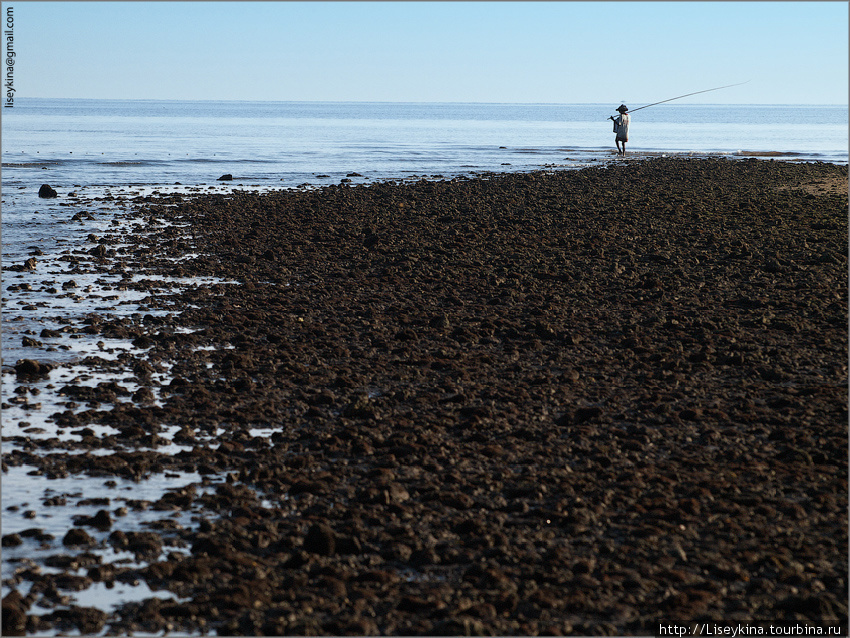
point(621, 128)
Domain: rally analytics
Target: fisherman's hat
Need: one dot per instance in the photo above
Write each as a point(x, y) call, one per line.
point(622, 108)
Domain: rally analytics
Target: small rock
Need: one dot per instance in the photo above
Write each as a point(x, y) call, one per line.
point(102, 520)
point(142, 342)
point(226, 177)
point(396, 493)
point(11, 540)
point(14, 619)
point(145, 543)
point(689, 414)
point(28, 367)
point(143, 395)
point(118, 539)
point(47, 192)
point(77, 537)
point(440, 322)
point(320, 540)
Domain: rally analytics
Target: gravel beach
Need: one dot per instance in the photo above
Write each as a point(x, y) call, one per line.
point(564, 402)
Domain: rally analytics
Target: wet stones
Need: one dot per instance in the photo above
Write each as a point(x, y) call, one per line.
point(99, 251)
point(101, 521)
point(147, 544)
point(76, 537)
point(32, 368)
point(14, 616)
point(143, 342)
point(86, 620)
point(105, 391)
point(145, 395)
point(11, 540)
point(529, 405)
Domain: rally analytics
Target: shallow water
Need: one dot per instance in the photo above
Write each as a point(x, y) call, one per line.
point(42, 299)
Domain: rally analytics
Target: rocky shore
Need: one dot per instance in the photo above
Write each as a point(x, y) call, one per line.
point(578, 402)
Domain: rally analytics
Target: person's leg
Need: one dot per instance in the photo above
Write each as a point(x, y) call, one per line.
point(624, 149)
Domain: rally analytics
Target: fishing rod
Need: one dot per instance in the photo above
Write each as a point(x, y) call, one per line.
point(687, 95)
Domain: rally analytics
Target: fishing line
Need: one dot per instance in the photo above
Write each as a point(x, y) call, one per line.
point(717, 88)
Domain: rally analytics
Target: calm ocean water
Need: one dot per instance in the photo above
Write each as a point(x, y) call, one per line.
point(111, 142)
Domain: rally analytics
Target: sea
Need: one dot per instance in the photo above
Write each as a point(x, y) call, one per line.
point(97, 154)
point(119, 142)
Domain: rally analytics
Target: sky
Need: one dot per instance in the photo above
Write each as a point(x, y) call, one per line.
point(515, 52)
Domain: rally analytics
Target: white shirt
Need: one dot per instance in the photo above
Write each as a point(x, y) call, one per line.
point(623, 127)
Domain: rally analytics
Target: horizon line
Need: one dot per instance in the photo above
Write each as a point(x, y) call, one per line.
point(126, 99)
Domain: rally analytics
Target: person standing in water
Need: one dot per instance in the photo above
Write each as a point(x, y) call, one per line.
point(621, 128)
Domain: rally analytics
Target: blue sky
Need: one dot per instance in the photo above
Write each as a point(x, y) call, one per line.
point(562, 52)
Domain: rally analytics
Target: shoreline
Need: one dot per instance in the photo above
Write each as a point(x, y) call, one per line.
point(526, 403)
